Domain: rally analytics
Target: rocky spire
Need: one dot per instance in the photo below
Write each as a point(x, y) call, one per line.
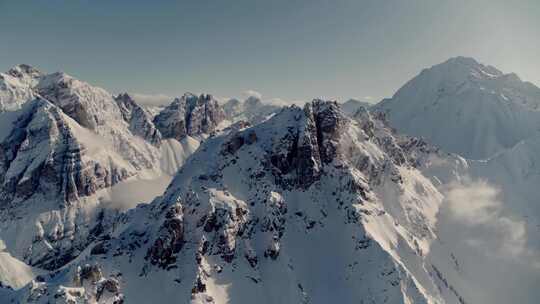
point(140, 121)
point(189, 115)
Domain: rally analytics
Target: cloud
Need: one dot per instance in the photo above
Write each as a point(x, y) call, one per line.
point(129, 194)
point(478, 208)
point(152, 99)
point(273, 101)
point(251, 93)
point(490, 244)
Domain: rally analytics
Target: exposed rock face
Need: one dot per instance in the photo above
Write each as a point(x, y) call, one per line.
point(57, 153)
point(304, 151)
point(89, 106)
point(42, 155)
point(190, 115)
point(26, 74)
point(87, 284)
point(46, 176)
point(64, 144)
point(16, 86)
point(140, 121)
point(170, 240)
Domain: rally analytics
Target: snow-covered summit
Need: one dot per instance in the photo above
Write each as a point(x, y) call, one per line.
point(466, 107)
point(26, 73)
point(310, 206)
point(16, 86)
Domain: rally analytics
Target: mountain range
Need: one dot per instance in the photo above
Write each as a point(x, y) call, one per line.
point(425, 197)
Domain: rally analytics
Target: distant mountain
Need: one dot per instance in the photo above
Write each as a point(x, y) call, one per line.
point(16, 86)
point(492, 119)
point(252, 110)
point(466, 107)
point(351, 106)
point(190, 115)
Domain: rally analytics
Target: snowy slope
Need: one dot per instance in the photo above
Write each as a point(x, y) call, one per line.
point(307, 207)
point(64, 145)
point(491, 216)
point(466, 107)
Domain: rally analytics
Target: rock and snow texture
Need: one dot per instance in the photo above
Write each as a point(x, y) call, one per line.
point(16, 86)
point(296, 205)
point(307, 207)
point(140, 120)
point(189, 115)
point(64, 145)
point(466, 108)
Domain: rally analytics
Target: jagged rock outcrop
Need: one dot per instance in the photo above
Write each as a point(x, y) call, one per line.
point(89, 106)
point(140, 120)
point(170, 240)
point(46, 173)
point(42, 155)
point(16, 86)
point(82, 284)
point(189, 115)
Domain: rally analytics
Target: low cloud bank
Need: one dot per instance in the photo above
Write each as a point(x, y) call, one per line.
point(152, 100)
point(490, 242)
point(478, 206)
point(129, 194)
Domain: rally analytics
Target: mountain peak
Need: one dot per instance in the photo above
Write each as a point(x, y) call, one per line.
point(189, 115)
point(462, 96)
point(24, 70)
point(462, 60)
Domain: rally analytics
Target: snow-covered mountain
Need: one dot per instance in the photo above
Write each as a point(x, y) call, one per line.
point(16, 86)
point(190, 115)
point(491, 215)
point(466, 107)
point(252, 109)
point(351, 106)
point(271, 204)
point(65, 146)
point(307, 207)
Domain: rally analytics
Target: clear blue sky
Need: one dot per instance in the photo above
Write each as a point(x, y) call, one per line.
point(291, 49)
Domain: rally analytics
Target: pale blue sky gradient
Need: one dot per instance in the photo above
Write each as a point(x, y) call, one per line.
point(291, 49)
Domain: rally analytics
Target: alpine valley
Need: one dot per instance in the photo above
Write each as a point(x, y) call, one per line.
point(106, 200)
